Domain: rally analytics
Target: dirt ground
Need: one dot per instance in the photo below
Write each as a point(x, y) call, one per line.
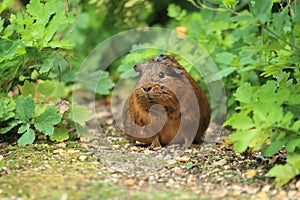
point(92, 169)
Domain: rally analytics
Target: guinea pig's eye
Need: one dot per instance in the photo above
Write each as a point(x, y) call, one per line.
point(161, 75)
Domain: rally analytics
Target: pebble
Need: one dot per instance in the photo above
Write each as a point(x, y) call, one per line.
point(82, 158)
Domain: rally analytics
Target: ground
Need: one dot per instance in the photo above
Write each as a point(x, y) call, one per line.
point(89, 169)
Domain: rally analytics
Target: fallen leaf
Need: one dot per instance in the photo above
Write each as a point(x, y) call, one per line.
point(250, 173)
point(130, 182)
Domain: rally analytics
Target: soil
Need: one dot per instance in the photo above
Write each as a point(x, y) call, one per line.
point(93, 169)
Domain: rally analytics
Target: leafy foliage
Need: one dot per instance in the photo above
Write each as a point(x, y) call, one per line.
point(256, 46)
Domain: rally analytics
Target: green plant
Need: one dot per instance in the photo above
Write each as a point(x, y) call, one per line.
point(256, 46)
point(34, 65)
point(31, 41)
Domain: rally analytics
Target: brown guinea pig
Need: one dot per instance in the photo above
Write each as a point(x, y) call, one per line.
point(166, 106)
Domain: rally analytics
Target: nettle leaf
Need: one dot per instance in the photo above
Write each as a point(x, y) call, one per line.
point(24, 108)
point(27, 138)
point(80, 114)
point(282, 174)
point(28, 88)
point(60, 134)
point(242, 139)
point(45, 121)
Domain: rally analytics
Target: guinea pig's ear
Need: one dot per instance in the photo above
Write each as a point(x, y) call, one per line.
point(138, 67)
point(174, 71)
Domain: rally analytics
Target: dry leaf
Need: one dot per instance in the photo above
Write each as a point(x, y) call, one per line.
point(130, 182)
point(250, 173)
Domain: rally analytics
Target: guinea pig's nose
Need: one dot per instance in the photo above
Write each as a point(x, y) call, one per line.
point(147, 88)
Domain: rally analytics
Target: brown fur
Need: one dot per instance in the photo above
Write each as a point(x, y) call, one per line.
point(166, 93)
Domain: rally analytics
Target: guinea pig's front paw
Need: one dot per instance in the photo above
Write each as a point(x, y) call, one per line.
point(155, 145)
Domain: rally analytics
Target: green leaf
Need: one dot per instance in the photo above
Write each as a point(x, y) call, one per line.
point(240, 121)
point(4, 4)
point(28, 88)
point(191, 165)
point(83, 132)
point(60, 134)
point(244, 93)
point(27, 138)
point(47, 87)
point(273, 148)
point(7, 107)
point(23, 128)
point(1, 24)
point(47, 65)
point(24, 108)
point(242, 139)
point(174, 11)
point(80, 114)
point(104, 86)
point(64, 44)
point(292, 144)
point(45, 121)
point(293, 159)
point(282, 174)
point(225, 57)
point(262, 9)
point(10, 126)
point(60, 90)
point(230, 3)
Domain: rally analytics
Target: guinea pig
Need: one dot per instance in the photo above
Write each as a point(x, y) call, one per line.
point(167, 106)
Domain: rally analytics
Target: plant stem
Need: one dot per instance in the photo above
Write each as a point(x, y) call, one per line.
point(281, 38)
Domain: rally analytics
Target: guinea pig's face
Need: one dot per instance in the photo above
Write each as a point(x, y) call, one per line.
point(157, 82)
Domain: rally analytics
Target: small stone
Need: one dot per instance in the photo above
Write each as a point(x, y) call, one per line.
point(58, 151)
point(116, 146)
point(151, 179)
point(266, 188)
point(292, 194)
point(171, 162)
point(262, 195)
point(109, 121)
point(82, 158)
point(215, 170)
point(219, 163)
point(178, 171)
point(183, 158)
point(298, 185)
point(61, 144)
point(226, 167)
point(72, 151)
point(281, 195)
